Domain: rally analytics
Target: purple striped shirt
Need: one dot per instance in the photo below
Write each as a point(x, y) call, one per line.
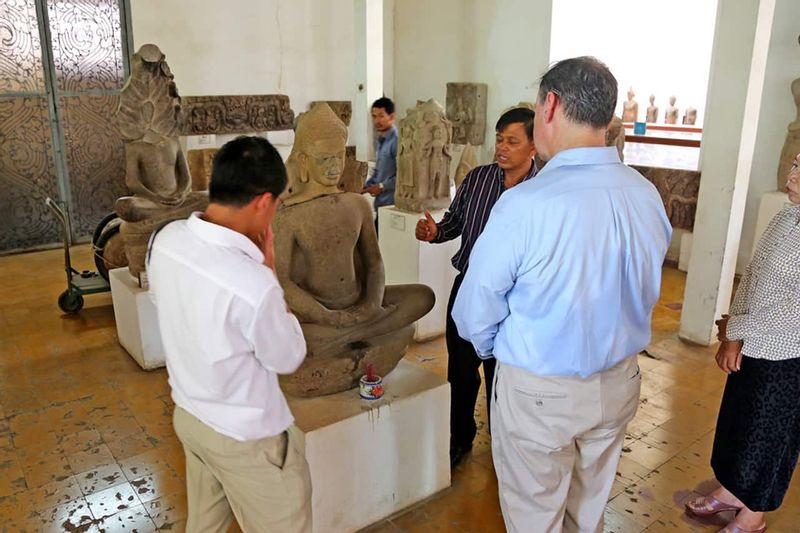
point(470, 209)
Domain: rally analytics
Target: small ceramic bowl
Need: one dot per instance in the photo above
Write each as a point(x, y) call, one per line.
point(370, 390)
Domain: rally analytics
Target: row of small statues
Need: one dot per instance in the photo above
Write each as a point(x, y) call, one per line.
point(630, 111)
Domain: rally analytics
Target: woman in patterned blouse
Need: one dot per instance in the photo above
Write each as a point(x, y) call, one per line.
point(757, 439)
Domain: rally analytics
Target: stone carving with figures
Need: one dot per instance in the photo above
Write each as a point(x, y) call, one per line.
point(342, 108)
point(630, 108)
point(211, 115)
point(652, 111)
point(330, 267)
point(156, 172)
point(791, 145)
point(466, 110)
point(671, 115)
point(423, 159)
point(679, 190)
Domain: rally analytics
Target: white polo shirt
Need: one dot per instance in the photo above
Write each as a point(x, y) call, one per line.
point(225, 326)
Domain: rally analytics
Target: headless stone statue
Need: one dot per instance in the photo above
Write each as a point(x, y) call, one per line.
point(690, 117)
point(156, 172)
point(423, 159)
point(791, 146)
point(329, 264)
point(671, 115)
point(630, 108)
point(652, 111)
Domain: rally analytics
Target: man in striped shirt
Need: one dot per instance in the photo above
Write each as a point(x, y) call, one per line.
point(467, 216)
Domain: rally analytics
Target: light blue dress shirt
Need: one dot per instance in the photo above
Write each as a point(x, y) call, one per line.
point(385, 168)
point(563, 279)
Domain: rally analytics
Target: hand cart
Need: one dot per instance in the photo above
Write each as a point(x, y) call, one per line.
point(78, 283)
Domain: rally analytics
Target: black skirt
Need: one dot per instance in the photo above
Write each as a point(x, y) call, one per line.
point(757, 440)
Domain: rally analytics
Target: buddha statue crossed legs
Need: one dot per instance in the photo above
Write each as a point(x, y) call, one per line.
point(329, 265)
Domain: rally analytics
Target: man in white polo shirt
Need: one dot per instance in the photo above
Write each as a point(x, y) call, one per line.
point(227, 335)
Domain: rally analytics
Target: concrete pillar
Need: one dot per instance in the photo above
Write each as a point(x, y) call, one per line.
point(736, 81)
point(368, 70)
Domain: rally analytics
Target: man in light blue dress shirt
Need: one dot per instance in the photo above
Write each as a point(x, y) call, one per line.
point(560, 289)
point(381, 184)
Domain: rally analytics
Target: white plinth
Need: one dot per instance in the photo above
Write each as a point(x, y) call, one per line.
point(686, 251)
point(137, 325)
point(369, 460)
point(771, 203)
point(407, 260)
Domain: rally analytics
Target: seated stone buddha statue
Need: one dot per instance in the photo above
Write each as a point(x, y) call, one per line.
point(156, 172)
point(329, 265)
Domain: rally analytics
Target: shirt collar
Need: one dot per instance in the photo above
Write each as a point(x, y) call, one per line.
point(531, 173)
point(589, 155)
point(389, 134)
point(222, 236)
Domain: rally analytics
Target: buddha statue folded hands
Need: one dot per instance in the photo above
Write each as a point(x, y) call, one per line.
point(329, 265)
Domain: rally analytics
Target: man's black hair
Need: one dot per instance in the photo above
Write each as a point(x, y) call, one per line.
point(586, 88)
point(244, 168)
point(384, 103)
point(521, 115)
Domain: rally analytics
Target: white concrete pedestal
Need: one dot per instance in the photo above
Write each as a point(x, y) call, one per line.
point(370, 459)
point(686, 251)
point(771, 203)
point(137, 323)
point(407, 260)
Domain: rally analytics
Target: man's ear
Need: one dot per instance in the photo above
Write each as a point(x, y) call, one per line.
point(264, 201)
point(550, 104)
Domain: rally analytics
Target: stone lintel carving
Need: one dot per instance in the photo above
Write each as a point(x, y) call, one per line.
point(342, 108)
point(466, 109)
point(423, 159)
point(678, 190)
point(206, 115)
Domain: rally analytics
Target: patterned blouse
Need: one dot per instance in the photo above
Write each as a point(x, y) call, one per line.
point(765, 313)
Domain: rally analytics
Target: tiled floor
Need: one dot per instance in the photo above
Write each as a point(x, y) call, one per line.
point(86, 441)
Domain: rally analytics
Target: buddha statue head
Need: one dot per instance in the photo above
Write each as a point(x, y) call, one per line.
point(317, 159)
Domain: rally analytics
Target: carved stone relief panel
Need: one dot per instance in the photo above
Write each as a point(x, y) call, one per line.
point(466, 109)
point(678, 190)
point(236, 114)
point(342, 108)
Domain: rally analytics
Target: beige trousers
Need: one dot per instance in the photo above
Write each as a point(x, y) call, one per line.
point(264, 483)
point(556, 443)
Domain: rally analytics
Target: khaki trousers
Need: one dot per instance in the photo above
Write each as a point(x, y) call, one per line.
point(264, 483)
point(556, 443)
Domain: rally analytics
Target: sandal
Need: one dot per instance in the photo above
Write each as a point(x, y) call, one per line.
point(733, 528)
point(708, 506)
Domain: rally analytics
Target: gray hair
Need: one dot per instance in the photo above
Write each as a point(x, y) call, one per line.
point(586, 88)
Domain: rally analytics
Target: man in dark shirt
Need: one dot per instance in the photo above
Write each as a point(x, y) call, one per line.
point(467, 216)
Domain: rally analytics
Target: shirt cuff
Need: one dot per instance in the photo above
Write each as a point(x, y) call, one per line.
point(734, 331)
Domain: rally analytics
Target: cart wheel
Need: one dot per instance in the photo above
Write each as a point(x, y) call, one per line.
point(70, 302)
point(102, 225)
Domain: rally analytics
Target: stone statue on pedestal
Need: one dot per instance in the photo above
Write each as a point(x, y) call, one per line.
point(652, 111)
point(791, 146)
point(690, 116)
point(156, 171)
point(329, 264)
point(423, 159)
point(671, 115)
point(630, 108)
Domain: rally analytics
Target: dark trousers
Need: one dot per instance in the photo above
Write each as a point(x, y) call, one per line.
point(464, 378)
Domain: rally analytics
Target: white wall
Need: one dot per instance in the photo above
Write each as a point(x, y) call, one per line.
point(504, 43)
point(777, 111)
point(660, 47)
point(301, 48)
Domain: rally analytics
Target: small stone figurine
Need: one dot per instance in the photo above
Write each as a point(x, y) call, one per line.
point(652, 111)
point(671, 116)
